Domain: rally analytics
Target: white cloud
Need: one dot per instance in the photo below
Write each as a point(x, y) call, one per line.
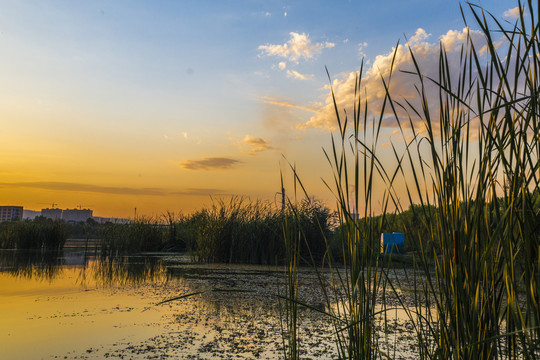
point(419, 36)
point(453, 40)
point(282, 65)
point(512, 13)
point(296, 75)
point(402, 85)
point(361, 48)
point(298, 47)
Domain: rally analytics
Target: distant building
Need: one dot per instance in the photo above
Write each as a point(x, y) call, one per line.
point(77, 215)
point(54, 213)
point(104, 220)
point(30, 214)
point(73, 216)
point(11, 213)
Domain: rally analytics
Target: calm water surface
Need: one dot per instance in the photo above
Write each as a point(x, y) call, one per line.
point(73, 305)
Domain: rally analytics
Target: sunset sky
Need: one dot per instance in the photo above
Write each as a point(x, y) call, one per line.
point(161, 105)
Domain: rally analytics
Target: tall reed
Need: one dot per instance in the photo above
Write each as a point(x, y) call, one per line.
point(292, 234)
point(358, 286)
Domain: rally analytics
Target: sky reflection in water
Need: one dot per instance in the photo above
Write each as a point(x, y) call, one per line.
point(76, 305)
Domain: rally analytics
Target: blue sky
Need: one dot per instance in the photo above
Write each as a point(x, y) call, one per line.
point(188, 98)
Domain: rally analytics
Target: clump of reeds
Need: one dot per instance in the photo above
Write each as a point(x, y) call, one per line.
point(481, 151)
point(140, 235)
point(89, 229)
point(472, 178)
point(242, 231)
point(39, 234)
point(236, 231)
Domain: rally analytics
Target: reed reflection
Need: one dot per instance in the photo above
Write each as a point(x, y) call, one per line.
point(90, 269)
point(119, 271)
point(32, 264)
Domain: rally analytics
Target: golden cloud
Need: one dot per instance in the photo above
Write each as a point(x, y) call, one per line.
point(256, 144)
point(78, 187)
point(284, 103)
point(296, 75)
point(210, 163)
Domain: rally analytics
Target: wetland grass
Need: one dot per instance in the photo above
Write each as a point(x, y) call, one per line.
point(39, 234)
point(141, 235)
point(238, 231)
point(235, 230)
point(243, 231)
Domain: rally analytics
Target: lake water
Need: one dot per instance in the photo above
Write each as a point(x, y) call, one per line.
point(73, 305)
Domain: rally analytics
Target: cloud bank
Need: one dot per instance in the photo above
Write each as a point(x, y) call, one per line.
point(402, 85)
point(210, 163)
point(78, 187)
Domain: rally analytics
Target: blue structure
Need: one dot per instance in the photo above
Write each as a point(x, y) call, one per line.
point(392, 243)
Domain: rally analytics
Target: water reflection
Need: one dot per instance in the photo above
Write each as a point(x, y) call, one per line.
point(119, 271)
point(90, 267)
point(32, 264)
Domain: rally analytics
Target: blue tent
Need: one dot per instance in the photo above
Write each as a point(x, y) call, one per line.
point(392, 243)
